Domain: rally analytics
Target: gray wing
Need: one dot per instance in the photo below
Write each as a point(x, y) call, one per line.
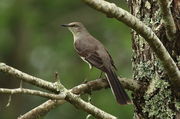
point(112, 62)
point(90, 53)
point(92, 58)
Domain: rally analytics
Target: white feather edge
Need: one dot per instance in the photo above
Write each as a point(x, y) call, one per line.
point(90, 66)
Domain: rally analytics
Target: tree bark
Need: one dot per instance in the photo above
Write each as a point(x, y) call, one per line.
point(156, 100)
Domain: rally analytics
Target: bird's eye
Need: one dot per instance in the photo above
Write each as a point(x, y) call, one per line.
point(75, 25)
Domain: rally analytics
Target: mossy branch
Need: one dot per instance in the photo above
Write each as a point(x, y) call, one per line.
point(168, 18)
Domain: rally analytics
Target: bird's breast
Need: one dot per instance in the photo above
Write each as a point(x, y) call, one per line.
point(81, 45)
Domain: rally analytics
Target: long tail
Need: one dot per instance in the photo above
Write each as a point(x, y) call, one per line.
point(120, 94)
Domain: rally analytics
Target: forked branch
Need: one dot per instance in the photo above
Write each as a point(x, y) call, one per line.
point(54, 87)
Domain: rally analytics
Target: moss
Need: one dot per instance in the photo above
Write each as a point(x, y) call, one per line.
point(177, 105)
point(158, 99)
point(178, 61)
point(147, 5)
point(145, 70)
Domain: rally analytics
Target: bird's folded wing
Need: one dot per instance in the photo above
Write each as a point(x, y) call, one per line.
point(93, 58)
point(112, 62)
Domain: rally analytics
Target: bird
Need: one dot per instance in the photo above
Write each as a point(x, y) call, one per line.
point(93, 52)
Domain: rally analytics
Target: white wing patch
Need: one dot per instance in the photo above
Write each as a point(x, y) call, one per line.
point(90, 66)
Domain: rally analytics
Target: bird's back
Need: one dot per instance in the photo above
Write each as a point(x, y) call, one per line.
point(89, 45)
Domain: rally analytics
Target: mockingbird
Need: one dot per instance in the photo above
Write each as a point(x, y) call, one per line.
point(95, 54)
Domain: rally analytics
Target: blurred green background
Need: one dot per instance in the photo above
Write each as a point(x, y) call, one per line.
point(32, 40)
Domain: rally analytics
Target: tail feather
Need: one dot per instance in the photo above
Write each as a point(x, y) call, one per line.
point(117, 89)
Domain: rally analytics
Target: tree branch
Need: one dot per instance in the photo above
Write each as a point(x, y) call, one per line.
point(81, 89)
point(81, 104)
point(31, 92)
point(42, 109)
point(103, 83)
point(50, 104)
point(100, 83)
point(111, 10)
point(28, 78)
point(168, 18)
point(88, 107)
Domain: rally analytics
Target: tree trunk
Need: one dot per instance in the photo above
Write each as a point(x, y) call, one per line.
point(156, 99)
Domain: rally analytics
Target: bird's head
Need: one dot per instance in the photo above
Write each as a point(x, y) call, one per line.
point(75, 27)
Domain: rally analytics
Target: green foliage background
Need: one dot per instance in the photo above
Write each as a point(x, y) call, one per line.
point(32, 40)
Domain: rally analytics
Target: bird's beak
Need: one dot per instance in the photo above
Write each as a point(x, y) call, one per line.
point(66, 25)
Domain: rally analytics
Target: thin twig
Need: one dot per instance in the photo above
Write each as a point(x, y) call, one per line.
point(28, 78)
point(56, 77)
point(42, 109)
point(168, 18)
point(9, 101)
point(111, 10)
point(32, 92)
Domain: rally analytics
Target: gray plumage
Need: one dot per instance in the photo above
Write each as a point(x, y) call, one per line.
point(95, 54)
